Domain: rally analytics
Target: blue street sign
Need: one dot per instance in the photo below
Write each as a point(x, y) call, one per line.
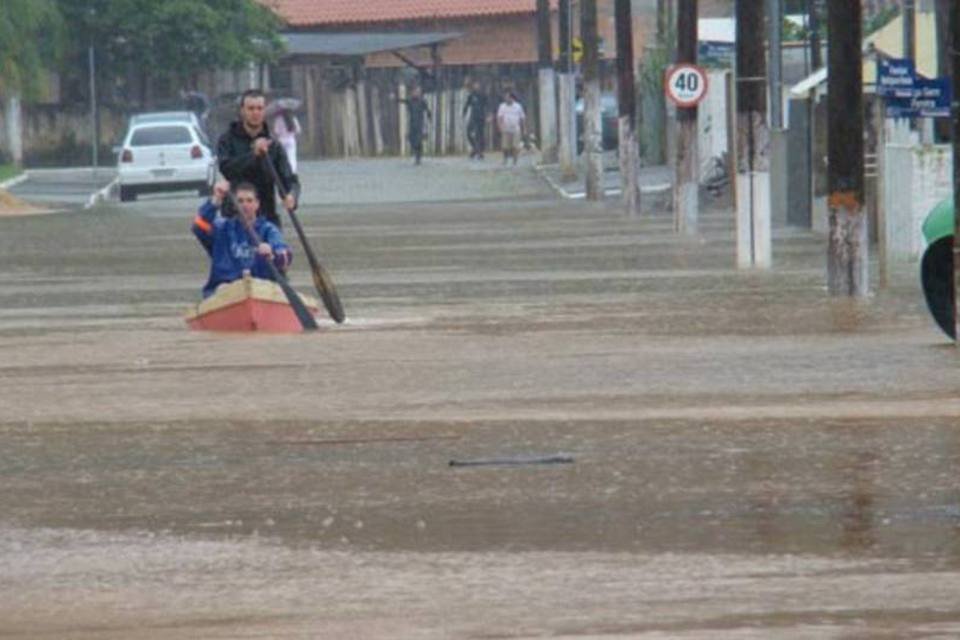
point(716, 55)
point(896, 77)
point(931, 98)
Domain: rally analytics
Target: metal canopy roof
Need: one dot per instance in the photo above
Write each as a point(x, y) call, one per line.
point(359, 44)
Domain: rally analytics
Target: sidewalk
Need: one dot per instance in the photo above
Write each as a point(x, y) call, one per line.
point(64, 187)
point(398, 180)
point(654, 180)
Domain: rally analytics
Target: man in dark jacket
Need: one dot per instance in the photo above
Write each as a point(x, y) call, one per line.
point(477, 123)
point(242, 153)
point(419, 113)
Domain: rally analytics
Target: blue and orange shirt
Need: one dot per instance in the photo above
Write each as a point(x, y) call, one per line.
point(231, 249)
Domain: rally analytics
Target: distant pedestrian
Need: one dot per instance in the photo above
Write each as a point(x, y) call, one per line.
point(286, 128)
point(419, 114)
point(242, 154)
point(511, 120)
point(476, 106)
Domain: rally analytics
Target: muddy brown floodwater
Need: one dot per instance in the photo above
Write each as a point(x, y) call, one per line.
point(751, 459)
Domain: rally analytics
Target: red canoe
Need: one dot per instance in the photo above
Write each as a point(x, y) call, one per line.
point(248, 304)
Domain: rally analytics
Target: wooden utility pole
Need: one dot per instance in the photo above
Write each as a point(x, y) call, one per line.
point(567, 94)
point(592, 139)
point(753, 140)
point(548, 85)
point(953, 42)
point(686, 165)
point(627, 101)
point(847, 264)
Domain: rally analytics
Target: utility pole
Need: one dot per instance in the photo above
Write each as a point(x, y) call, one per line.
point(548, 85)
point(954, 47)
point(813, 24)
point(686, 184)
point(847, 264)
point(753, 140)
point(567, 94)
point(909, 29)
point(778, 137)
point(94, 115)
point(591, 88)
point(627, 101)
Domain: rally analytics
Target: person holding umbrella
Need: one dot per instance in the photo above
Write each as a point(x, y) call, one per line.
point(285, 126)
point(246, 151)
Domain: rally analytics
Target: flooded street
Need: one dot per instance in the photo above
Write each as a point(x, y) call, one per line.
point(751, 459)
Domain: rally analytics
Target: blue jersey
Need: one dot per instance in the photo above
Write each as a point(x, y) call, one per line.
point(231, 249)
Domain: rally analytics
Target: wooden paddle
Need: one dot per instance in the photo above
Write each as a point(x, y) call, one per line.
point(307, 321)
point(321, 278)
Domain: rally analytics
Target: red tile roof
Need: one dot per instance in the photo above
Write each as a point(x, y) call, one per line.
point(307, 13)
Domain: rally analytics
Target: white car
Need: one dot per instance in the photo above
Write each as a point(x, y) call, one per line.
point(164, 155)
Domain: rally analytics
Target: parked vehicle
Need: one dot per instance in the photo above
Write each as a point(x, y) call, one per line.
point(610, 122)
point(163, 154)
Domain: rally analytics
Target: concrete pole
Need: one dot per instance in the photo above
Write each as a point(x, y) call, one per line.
point(14, 121)
point(847, 259)
point(593, 142)
point(548, 85)
point(686, 184)
point(778, 136)
point(567, 95)
point(627, 101)
point(753, 141)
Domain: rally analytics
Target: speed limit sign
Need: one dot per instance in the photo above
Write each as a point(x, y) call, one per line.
point(685, 85)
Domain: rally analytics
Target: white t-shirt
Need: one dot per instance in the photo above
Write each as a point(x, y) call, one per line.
point(510, 116)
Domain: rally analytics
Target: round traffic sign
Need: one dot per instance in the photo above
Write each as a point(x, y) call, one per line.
point(685, 84)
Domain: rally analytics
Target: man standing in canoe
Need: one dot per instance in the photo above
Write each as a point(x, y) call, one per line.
point(228, 241)
point(244, 150)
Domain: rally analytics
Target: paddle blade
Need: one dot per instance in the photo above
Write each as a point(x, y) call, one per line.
point(328, 293)
point(307, 321)
point(936, 274)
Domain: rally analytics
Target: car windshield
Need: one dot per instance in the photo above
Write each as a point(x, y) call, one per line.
point(153, 136)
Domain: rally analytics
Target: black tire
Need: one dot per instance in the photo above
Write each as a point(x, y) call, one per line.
point(328, 294)
point(127, 194)
point(936, 275)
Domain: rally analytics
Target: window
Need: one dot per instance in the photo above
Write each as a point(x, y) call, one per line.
point(154, 136)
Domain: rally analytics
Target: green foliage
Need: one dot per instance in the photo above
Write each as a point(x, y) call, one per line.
point(880, 19)
point(174, 39)
point(30, 32)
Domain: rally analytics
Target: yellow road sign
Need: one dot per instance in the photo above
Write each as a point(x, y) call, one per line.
point(577, 47)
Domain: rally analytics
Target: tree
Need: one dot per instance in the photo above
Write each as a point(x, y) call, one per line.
point(29, 42)
point(172, 41)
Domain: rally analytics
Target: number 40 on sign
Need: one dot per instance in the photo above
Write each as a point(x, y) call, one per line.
point(685, 85)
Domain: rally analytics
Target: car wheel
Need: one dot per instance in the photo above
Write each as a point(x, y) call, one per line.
point(127, 194)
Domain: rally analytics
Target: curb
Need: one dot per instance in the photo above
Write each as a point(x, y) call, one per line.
point(14, 181)
point(652, 189)
point(102, 195)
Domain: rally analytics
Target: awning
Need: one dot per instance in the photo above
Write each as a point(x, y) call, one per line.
point(359, 44)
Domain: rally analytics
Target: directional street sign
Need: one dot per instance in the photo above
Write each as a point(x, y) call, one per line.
point(685, 85)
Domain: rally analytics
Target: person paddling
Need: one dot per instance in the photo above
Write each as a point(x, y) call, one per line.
point(242, 152)
point(228, 243)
